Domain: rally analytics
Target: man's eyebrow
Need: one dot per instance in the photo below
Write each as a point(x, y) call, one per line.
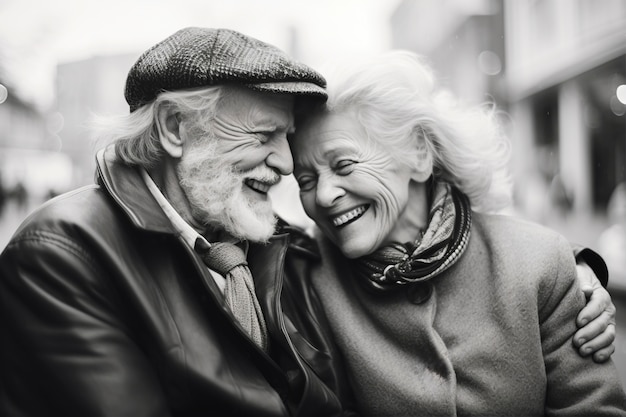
point(271, 126)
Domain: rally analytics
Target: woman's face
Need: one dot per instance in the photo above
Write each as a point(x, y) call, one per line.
point(349, 185)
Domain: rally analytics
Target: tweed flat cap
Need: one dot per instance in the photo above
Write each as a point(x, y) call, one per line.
point(198, 57)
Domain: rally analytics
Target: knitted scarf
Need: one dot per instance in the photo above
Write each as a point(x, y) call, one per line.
point(393, 266)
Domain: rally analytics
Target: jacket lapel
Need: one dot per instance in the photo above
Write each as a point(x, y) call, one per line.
point(128, 189)
point(266, 263)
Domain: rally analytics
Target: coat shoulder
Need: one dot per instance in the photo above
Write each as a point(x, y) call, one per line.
point(520, 235)
point(524, 250)
point(69, 213)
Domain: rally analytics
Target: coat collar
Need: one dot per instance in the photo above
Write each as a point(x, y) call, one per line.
point(128, 189)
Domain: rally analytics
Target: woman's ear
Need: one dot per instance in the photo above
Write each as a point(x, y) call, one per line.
point(423, 167)
point(168, 126)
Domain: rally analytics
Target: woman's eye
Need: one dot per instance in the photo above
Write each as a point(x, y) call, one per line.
point(344, 167)
point(306, 183)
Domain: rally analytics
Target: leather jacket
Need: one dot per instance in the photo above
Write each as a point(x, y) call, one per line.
point(104, 310)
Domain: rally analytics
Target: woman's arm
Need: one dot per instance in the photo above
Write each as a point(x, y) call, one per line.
point(596, 321)
point(575, 385)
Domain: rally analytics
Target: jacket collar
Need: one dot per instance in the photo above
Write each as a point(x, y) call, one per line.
point(128, 189)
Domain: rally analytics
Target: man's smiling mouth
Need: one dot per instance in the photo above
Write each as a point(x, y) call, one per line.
point(350, 216)
point(258, 186)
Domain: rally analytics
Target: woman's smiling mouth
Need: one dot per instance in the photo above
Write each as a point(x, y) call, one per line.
point(350, 216)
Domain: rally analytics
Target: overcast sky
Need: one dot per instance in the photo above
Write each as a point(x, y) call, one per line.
point(35, 35)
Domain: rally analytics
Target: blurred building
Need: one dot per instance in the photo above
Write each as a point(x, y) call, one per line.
point(85, 88)
point(30, 161)
point(463, 40)
point(566, 60)
point(22, 124)
point(555, 66)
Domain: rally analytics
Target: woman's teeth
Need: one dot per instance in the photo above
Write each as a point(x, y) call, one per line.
point(349, 216)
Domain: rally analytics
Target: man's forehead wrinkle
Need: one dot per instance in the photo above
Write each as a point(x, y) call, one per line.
point(262, 120)
point(272, 120)
point(227, 121)
point(254, 111)
point(240, 120)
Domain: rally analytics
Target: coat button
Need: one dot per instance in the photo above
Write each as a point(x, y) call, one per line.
point(419, 293)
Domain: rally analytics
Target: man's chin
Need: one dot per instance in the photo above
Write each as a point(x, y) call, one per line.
point(254, 222)
point(242, 219)
point(255, 231)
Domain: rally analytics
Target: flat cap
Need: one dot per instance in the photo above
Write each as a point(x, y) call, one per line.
point(198, 57)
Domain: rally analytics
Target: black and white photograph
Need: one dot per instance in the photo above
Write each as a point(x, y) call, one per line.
point(312, 208)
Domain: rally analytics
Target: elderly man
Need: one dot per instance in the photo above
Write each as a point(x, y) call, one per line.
point(135, 296)
point(108, 307)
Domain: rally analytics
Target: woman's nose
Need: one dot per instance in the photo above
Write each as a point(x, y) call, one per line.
point(280, 157)
point(327, 192)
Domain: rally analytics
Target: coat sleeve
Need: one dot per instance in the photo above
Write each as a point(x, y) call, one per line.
point(66, 349)
point(575, 385)
point(595, 262)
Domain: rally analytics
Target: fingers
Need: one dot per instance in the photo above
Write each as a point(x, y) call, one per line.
point(600, 345)
point(603, 355)
point(596, 321)
point(590, 332)
point(587, 279)
point(599, 303)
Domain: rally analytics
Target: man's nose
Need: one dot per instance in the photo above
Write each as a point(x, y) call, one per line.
point(280, 157)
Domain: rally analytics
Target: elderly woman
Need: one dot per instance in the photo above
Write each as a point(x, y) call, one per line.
point(437, 307)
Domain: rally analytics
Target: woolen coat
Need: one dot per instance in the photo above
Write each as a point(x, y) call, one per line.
point(490, 336)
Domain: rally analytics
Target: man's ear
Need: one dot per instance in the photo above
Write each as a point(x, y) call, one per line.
point(423, 167)
point(168, 126)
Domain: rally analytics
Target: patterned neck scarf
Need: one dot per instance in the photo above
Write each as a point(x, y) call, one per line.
point(438, 248)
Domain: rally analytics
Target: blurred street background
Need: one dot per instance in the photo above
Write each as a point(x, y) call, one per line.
point(556, 68)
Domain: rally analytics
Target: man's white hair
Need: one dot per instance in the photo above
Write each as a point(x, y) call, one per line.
point(135, 134)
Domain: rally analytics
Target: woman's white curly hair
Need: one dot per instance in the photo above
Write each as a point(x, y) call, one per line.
point(396, 99)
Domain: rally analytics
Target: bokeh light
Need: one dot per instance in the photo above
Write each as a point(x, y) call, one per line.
point(617, 106)
point(489, 63)
point(4, 94)
point(621, 93)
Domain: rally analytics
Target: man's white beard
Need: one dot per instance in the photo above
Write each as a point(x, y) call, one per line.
point(215, 191)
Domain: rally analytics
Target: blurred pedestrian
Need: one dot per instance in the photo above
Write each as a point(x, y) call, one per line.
point(20, 194)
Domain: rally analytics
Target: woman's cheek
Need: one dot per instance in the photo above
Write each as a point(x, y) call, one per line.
point(308, 203)
point(387, 210)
